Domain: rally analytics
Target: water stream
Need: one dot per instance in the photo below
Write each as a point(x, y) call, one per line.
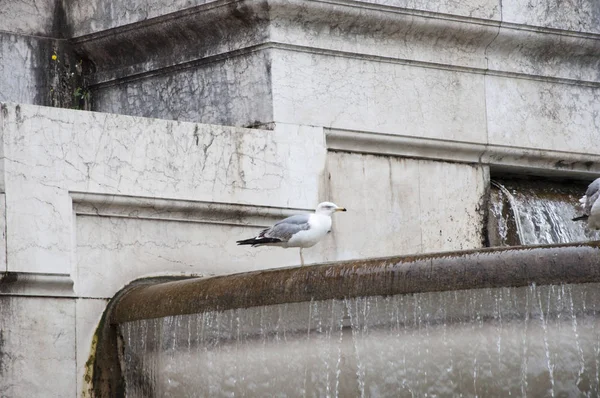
point(533, 212)
point(530, 341)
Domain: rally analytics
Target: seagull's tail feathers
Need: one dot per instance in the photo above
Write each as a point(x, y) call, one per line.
point(258, 241)
point(580, 218)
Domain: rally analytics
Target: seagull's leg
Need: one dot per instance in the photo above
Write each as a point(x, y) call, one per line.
point(301, 258)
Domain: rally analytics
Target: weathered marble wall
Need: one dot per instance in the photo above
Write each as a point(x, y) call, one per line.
point(298, 58)
point(398, 110)
point(31, 32)
point(27, 37)
point(95, 200)
point(37, 342)
point(401, 205)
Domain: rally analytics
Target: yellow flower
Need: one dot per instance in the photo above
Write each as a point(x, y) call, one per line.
point(54, 57)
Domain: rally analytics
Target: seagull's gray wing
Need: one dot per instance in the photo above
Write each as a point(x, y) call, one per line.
point(591, 194)
point(286, 228)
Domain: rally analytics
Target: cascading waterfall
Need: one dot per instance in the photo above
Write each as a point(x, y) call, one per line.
point(525, 341)
point(532, 213)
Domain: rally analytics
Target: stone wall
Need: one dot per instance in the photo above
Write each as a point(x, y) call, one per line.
point(399, 111)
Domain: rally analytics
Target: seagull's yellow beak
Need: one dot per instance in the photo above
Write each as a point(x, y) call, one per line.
point(340, 209)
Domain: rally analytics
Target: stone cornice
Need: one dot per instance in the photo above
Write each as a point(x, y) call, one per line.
point(499, 158)
point(228, 27)
point(139, 207)
point(36, 284)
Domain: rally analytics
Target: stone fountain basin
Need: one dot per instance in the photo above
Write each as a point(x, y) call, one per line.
point(519, 320)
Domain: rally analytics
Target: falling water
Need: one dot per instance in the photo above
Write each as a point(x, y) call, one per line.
point(529, 341)
point(533, 212)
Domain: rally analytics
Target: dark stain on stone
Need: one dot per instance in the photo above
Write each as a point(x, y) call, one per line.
point(2, 364)
point(5, 355)
point(257, 124)
point(60, 26)
point(483, 208)
point(561, 164)
point(8, 278)
point(41, 53)
point(59, 82)
point(196, 135)
point(18, 114)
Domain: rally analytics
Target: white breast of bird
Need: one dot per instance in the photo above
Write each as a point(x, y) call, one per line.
point(319, 226)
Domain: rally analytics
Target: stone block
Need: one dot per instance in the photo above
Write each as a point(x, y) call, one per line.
point(37, 347)
point(235, 91)
point(25, 68)
point(29, 17)
point(543, 115)
point(358, 94)
point(402, 206)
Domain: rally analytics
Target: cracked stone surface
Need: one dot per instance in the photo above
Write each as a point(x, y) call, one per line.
point(384, 97)
point(29, 17)
point(380, 51)
point(50, 152)
point(158, 59)
point(523, 75)
point(404, 206)
point(37, 347)
point(543, 115)
point(575, 15)
point(19, 64)
point(235, 92)
point(98, 15)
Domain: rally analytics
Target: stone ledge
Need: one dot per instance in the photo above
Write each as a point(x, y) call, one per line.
point(499, 158)
point(436, 272)
point(408, 35)
point(36, 284)
point(137, 72)
point(139, 207)
point(172, 39)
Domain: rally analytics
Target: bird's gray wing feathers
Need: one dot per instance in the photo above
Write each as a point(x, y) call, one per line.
point(286, 228)
point(589, 203)
point(297, 219)
point(592, 194)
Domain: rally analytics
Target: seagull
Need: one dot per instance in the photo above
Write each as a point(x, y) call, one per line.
point(591, 205)
point(302, 230)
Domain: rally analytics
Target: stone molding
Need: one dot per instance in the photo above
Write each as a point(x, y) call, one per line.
point(476, 45)
point(108, 205)
point(499, 158)
point(36, 284)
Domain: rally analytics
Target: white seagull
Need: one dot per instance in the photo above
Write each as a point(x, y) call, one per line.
point(591, 205)
point(302, 230)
